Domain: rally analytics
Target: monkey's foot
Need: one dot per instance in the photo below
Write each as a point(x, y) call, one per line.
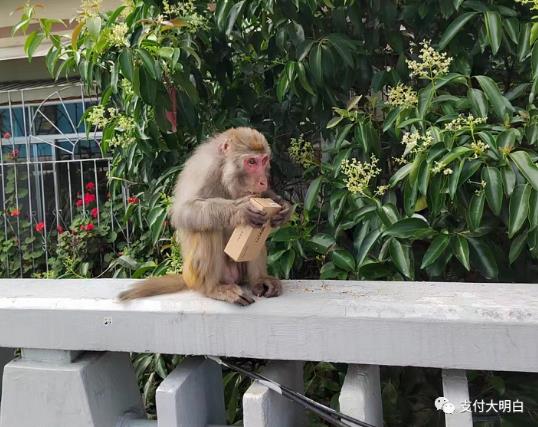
point(232, 293)
point(267, 287)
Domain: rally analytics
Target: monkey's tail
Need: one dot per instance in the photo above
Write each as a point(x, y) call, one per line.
point(167, 284)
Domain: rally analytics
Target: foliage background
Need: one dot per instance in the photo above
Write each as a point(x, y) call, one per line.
point(457, 200)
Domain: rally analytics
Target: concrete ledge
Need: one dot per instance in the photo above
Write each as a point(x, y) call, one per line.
point(446, 325)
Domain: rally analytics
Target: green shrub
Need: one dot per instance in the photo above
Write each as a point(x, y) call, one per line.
point(398, 170)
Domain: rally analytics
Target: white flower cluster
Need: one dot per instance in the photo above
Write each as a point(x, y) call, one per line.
point(88, 9)
point(301, 152)
point(462, 122)
point(478, 148)
point(359, 174)
point(432, 64)
point(402, 96)
point(415, 142)
point(118, 35)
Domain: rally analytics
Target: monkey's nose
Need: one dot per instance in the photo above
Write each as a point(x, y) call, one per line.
point(262, 185)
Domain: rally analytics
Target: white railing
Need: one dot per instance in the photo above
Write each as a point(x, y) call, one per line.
point(74, 369)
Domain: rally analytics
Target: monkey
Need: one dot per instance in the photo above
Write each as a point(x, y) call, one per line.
point(211, 197)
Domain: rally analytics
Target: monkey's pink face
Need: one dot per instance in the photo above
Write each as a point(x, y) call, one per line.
point(257, 170)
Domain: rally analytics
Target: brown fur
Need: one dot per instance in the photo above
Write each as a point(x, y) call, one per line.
point(211, 197)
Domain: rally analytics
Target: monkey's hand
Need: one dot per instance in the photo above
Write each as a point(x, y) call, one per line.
point(249, 215)
point(284, 214)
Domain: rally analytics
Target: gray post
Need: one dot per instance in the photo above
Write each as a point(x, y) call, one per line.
point(456, 390)
point(360, 396)
point(6, 355)
point(263, 407)
point(49, 388)
point(192, 395)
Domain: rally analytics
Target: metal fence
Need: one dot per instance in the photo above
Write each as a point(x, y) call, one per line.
point(51, 168)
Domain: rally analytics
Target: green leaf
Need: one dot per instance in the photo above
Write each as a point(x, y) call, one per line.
point(409, 228)
point(365, 245)
point(484, 257)
point(479, 103)
point(425, 98)
point(476, 209)
point(233, 15)
point(499, 103)
point(454, 179)
point(322, 242)
point(149, 63)
point(534, 33)
point(156, 218)
point(128, 262)
point(400, 174)
point(454, 28)
point(126, 63)
point(523, 45)
point(287, 261)
point(311, 197)
point(526, 166)
point(344, 260)
point(316, 64)
point(456, 153)
point(437, 247)
point(460, 248)
point(334, 121)
point(282, 86)
point(494, 188)
point(330, 271)
point(32, 43)
point(400, 258)
point(533, 210)
point(517, 246)
point(494, 29)
point(519, 208)
point(303, 80)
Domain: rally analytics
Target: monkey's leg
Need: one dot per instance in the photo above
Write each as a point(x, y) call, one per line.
point(260, 282)
point(231, 293)
point(206, 269)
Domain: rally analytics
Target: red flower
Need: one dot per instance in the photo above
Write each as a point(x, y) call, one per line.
point(15, 212)
point(90, 186)
point(79, 203)
point(6, 135)
point(89, 198)
point(14, 153)
point(59, 229)
point(40, 226)
point(133, 200)
point(95, 212)
point(90, 227)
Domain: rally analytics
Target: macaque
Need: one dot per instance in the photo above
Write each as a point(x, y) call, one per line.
point(211, 197)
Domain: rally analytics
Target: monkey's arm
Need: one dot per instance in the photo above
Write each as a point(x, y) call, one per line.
point(285, 212)
point(216, 214)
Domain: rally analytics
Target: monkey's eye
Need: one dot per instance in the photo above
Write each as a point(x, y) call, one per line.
point(251, 161)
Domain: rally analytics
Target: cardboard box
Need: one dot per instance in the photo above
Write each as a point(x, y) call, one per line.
point(246, 242)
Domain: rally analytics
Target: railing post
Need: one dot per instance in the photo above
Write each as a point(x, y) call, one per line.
point(360, 396)
point(6, 355)
point(55, 388)
point(192, 395)
point(456, 390)
point(263, 407)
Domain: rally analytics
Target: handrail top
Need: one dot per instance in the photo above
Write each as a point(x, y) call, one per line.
point(446, 325)
point(434, 301)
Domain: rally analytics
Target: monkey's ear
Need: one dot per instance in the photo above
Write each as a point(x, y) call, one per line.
point(224, 147)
